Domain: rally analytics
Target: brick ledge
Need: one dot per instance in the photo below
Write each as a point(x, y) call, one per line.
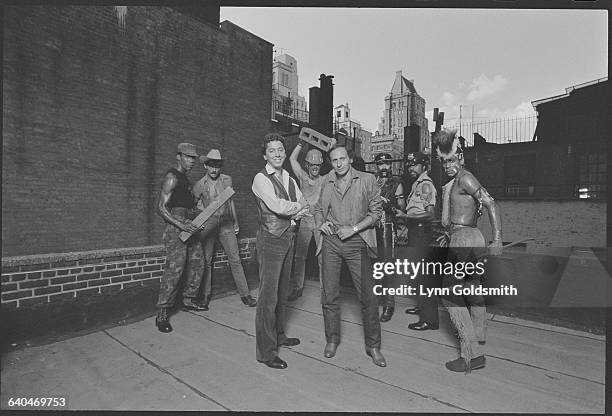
point(14, 261)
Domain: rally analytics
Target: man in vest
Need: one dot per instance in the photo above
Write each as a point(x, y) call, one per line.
point(348, 208)
point(279, 204)
point(418, 217)
point(176, 205)
point(224, 226)
point(462, 200)
point(392, 195)
point(310, 185)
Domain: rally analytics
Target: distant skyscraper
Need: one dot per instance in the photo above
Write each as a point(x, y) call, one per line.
point(352, 127)
point(285, 95)
point(403, 107)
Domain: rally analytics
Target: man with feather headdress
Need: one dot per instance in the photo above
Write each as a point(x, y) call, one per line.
point(463, 198)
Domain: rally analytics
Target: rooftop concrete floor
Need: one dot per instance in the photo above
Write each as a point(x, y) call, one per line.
point(208, 363)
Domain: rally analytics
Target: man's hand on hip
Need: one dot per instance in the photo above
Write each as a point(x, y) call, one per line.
point(345, 232)
point(327, 228)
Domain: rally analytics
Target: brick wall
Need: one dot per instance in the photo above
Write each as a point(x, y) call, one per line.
point(93, 113)
point(31, 281)
point(54, 294)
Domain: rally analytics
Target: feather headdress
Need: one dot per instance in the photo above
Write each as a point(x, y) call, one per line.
point(447, 143)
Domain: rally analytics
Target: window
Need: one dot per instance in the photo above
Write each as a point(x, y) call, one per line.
point(519, 175)
point(285, 79)
point(591, 176)
point(346, 114)
point(517, 189)
point(338, 114)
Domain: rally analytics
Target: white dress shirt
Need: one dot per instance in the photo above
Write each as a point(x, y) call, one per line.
point(264, 190)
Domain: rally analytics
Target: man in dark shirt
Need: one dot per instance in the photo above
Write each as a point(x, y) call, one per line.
point(176, 205)
point(392, 195)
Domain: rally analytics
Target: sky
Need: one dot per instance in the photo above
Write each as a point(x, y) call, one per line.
point(492, 63)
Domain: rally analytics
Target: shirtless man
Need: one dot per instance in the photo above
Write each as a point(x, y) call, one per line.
point(310, 185)
point(462, 200)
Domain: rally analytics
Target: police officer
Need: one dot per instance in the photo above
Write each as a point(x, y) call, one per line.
point(418, 217)
point(392, 194)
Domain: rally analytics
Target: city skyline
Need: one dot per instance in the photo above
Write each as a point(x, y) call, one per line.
point(491, 62)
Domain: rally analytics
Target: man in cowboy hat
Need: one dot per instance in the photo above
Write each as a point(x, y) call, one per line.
point(392, 195)
point(310, 185)
point(224, 226)
point(176, 206)
point(463, 199)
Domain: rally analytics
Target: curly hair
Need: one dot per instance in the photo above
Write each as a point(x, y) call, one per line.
point(271, 137)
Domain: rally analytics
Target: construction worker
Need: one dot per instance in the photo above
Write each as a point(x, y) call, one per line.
point(310, 185)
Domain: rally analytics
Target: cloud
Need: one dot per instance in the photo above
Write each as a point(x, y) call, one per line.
point(483, 86)
point(524, 109)
point(449, 98)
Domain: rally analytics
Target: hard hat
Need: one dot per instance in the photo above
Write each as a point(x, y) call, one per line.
point(314, 157)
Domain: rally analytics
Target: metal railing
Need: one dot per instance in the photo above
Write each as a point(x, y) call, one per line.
point(288, 109)
point(499, 131)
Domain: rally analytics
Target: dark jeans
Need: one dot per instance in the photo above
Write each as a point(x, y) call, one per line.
point(420, 235)
point(384, 242)
point(275, 255)
point(354, 251)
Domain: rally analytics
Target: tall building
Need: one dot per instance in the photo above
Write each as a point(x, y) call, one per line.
point(404, 107)
point(285, 95)
point(351, 127)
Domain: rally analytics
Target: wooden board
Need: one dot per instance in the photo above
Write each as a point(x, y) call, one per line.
point(208, 211)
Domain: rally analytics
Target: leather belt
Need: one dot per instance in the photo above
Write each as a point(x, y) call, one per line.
point(453, 224)
point(414, 223)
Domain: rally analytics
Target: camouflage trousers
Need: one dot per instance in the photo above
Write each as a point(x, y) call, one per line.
point(180, 257)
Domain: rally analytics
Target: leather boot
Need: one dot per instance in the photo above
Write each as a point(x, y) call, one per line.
point(248, 300)
point(387, 313)
point(194, 305)
point(377, 357)
point(162, 321)
point(293, 295)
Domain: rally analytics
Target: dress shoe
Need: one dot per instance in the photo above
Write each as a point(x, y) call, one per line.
point(377, 357)
point(422, 326)
point(248, 300)
point(295, 293)
point(330, 349)
point(414, 311)
point(275, 362)
point(193, 305)
point(162, 322)
point(387, 313)
point(289, 342)
point(459, 366)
